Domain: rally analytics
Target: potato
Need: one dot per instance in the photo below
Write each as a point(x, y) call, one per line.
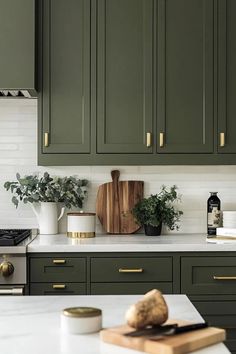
point(151, 310)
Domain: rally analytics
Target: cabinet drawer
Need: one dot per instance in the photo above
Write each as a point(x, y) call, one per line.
point(208, 275)
point(220, 314)
point(117, 269)
point(128, 289)
point(63, 269)
point(58, 289)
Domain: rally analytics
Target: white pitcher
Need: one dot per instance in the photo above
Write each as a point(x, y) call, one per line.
point(47, 216)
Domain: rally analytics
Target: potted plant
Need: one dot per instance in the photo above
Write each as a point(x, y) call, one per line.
point(158, 209)
point(45, 193)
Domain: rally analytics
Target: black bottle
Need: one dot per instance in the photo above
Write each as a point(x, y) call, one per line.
point(213, 213)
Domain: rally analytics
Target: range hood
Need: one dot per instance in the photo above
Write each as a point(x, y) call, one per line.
point(16, 93)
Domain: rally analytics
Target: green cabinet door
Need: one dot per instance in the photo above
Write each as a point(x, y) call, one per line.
point(185, 76)
point(124, 75)
point(65, 101)
point(226, 76)
point(17, 43)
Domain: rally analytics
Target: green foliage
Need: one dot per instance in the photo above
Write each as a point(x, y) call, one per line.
point(70, 191)
point(159, 208)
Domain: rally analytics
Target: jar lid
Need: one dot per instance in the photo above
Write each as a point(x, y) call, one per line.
point(81, 213)
point(82, 312)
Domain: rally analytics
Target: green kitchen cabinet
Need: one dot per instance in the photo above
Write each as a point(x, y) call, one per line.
point(137, 82)
point(65, 98)
point(185, 76)
point(226, 76)
point(124, 76)
point(18, 45)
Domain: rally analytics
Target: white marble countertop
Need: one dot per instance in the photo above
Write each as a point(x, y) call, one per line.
point(31, 324)
point(127, 243)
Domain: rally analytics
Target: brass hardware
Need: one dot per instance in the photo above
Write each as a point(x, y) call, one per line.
point(59, 286)
point(149, 139)
point(59, 261)
point(222, 139)
point(135, 270)
point(161, 139)
point(224, 278)
point(6, 268)
point(46, 139)
point(80, 234)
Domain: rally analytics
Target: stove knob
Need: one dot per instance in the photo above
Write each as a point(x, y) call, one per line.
point(6, 269)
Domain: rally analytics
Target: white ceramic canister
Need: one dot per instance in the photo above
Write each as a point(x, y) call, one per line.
point(81, 320)
point(81, 224)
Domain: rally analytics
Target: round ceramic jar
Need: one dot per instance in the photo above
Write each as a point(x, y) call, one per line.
point(81, 225)
point(81, 320)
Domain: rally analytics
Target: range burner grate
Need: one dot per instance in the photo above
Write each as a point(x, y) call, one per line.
point(12, 237)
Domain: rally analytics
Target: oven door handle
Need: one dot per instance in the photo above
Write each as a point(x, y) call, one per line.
point(11, 291)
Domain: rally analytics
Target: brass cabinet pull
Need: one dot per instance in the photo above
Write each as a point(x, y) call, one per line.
point(46, 139)
point(59, 286)
point(224, 278)
point(59, 261)
point(149, 139)
point(135, 270)
point(222, 139)
point(161, 139)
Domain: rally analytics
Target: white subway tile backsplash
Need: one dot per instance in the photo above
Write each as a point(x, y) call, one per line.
point(18, 153)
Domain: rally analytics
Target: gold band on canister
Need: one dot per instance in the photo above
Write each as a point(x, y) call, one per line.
point(80, 234)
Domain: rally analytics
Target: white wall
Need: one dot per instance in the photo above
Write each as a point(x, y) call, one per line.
point(18, 153)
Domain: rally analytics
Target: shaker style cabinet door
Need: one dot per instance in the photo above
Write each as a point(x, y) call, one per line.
point(17, 43)
point(124, 76)
point(185, 76)
point(226, 76)
point(65, 101)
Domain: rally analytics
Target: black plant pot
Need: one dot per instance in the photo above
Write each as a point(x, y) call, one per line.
point(153, 230)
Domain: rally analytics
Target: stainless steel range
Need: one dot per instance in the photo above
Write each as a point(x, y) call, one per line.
point(13, 262)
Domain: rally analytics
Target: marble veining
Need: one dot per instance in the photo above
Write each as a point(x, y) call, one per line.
point(127, 243)
point(31, 324)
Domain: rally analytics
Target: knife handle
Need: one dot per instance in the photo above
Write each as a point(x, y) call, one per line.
point(192, 327)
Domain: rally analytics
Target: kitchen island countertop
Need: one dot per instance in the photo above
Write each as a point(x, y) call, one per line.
point(31, 324)
point(127, 243)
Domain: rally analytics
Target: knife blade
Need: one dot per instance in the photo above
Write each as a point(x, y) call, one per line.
point(151, 330)
point(156, 332)
point(179, 330)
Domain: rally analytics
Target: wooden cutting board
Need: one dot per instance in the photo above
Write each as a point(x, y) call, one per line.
point(115, 200)
point(179, 344)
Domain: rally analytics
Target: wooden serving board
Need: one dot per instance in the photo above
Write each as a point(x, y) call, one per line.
point(179, 344)
point(115, 200)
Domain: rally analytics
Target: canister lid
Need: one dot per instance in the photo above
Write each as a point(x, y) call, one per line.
point(82, 312)
point(81, 213)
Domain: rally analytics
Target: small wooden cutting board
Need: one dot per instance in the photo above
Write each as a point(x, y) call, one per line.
point(115, 201)
point(176, 344)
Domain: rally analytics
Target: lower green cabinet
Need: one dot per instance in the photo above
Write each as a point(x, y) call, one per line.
point(57, 289)
point(207, 278)
point(128, 288)
point(220, 314)
point(131, 269)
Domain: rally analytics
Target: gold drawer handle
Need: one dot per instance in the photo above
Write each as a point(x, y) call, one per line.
point(222, 139)
point(46, 139)
point(59, 261)
point(59, 286)
point(149, 139)
point(135, 270)
point(161, 139)
point(224, 278)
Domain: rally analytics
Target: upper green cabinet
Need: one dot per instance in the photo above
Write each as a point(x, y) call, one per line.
point(185, 76)
point(227, 75)
point(137, 82)
point(65, 101)
point(124, 76)
point(18, 45)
